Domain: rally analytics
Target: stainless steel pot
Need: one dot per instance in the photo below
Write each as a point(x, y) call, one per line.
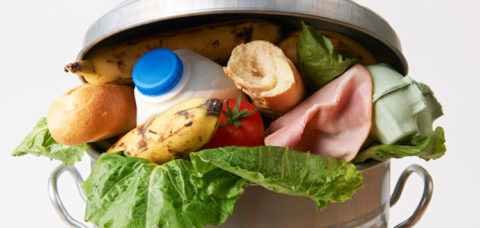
point(258, 207)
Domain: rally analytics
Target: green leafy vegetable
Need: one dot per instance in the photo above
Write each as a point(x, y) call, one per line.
point(427, 147)
point(125, 191)
point(318, 61)
point(39, 142)
point(285, 171)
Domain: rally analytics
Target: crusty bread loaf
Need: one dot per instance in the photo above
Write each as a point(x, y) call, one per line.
point(265, 74)
point(90, 113)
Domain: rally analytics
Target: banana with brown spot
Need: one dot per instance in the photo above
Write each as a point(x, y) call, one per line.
point(181, 129)
point(114, 63)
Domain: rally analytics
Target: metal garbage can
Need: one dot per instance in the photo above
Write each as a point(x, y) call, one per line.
point(259, 207)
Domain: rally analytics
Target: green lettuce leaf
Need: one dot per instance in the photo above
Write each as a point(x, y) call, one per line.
point(124, 191)
point(39, 142)
point(285, 171)
point(318, 61)
point(427, 147)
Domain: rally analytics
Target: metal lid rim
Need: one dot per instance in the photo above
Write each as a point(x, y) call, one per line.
point(99, 31)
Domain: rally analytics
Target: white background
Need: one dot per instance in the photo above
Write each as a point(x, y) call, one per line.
point(440, 40)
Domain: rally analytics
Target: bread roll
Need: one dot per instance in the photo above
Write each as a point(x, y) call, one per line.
point(90, 113)
point(266, 75)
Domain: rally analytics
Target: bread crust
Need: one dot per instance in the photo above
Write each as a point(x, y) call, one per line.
point(285, 101)
point(90, 113)
point(279, 102)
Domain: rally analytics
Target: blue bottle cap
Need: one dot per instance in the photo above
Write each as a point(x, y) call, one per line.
point(157, 72)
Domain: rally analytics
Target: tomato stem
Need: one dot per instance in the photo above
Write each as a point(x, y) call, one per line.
point(235, 116)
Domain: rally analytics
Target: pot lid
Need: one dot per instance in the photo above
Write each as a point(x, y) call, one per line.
point(136, 17)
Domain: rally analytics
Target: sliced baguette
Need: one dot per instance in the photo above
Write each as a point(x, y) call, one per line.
point(266, 75)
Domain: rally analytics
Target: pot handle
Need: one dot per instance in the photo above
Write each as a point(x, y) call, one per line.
point(55, 198)
point(424, 201)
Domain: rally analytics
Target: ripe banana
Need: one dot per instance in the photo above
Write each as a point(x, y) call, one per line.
point(114, 63)
point(183, 128)
point(343, 45)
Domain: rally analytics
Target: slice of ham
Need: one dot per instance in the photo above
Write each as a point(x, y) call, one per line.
point(335, 121)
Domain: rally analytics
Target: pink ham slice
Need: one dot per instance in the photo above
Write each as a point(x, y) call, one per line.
point(333, 122)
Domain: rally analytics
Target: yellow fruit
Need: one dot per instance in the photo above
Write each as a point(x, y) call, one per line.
point(181, 129)
point(114, 63)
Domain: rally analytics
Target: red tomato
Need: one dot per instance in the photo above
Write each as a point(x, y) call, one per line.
point(249, 131)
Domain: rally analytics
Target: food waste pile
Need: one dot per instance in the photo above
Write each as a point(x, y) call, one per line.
point(185, 120)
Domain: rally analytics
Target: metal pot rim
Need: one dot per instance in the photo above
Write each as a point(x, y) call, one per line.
point(345, 15)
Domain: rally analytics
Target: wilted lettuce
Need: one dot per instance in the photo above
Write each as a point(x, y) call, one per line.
point(39, 142)
point(124, 191)
point(132, 192)
point(317, 59)
point(427, 147)
point(286, 171)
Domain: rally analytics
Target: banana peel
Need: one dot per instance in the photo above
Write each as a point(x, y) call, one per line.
point(114, 63)
point(181, 129)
